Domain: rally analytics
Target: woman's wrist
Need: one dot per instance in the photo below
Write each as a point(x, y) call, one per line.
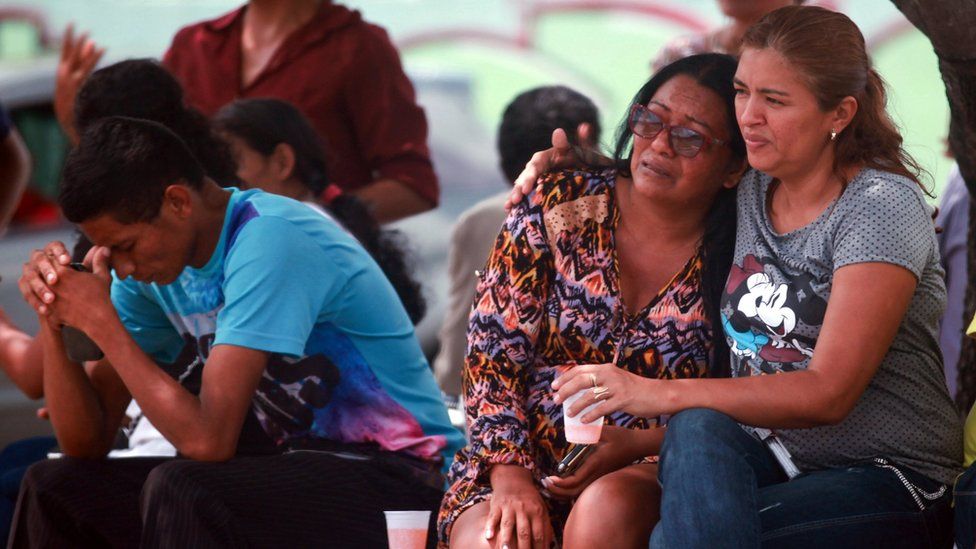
point(657, 397)
point(505, 477)
point(646, 397)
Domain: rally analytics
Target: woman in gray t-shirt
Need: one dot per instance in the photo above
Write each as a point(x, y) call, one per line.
point(831, 311)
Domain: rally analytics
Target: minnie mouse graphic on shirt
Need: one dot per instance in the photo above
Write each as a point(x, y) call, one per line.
point(761, 315)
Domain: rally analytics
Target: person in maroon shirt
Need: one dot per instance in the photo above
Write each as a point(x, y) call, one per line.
point(343, 73)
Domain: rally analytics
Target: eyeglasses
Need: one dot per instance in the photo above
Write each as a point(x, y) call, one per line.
point(684, 141)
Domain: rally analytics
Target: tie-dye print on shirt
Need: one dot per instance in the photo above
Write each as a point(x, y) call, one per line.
point(344, 364)
point(549, 296)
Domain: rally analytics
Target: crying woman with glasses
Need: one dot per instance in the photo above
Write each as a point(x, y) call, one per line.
point(835, 428)
point(619, 265)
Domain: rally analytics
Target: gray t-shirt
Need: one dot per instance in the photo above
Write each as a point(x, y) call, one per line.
point(774, 304)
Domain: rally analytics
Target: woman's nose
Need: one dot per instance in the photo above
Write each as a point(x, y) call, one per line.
point(661, 143)
point(750, 113)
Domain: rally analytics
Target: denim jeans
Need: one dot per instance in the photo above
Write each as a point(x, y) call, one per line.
point(965, 502)
point(723, 488)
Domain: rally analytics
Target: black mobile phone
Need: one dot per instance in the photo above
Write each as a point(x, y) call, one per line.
point(77, 345)
point(573, 459)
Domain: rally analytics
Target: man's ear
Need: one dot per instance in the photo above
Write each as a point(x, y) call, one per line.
point(282, 162)
point(737, 168)
point(178, 199)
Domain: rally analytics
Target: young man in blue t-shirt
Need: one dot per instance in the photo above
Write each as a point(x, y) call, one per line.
point(268, 315)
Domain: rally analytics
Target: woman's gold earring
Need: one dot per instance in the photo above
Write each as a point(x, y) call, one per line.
point(833, 135)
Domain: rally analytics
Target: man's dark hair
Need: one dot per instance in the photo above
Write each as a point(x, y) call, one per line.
point(142, 88)
point(529, 120)
point(122, 167)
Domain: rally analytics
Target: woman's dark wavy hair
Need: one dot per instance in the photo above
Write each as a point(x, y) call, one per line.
point(266, 123)
point(715, 72)
point(142, 88)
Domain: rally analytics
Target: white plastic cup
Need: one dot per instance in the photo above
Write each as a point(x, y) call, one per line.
point(407, 529)
point(578, 432)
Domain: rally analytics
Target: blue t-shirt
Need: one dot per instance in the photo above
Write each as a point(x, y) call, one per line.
point(344, 362)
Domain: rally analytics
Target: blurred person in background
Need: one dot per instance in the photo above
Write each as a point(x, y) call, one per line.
point(953, 219)
point(342, 72)
point(725, 39)
point(15, 168)
point(526, 127)
point(964, 491)
point(142, 88)
point(278, 151)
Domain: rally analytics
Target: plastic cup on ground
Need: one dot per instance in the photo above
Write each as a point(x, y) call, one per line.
point(407, 529)
point(578, 432)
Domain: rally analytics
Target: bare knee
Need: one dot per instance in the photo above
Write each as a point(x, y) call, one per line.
point(469, 528)
point(618, 509)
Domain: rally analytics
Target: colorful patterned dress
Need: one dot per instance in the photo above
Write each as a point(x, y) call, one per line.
point(549, 296)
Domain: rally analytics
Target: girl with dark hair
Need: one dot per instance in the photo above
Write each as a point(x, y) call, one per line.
point(278, 151)
point(836, 291)
point(620, 266)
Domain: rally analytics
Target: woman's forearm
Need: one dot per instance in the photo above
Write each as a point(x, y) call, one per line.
point(792, 400)
point(868, 303)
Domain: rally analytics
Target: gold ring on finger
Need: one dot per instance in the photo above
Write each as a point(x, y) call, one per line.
point(593, 380)
point(600, 390)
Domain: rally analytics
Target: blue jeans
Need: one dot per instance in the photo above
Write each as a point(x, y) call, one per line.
point(965, 501)
point(723, 488)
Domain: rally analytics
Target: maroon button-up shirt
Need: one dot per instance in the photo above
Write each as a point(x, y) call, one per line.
point(343, 73)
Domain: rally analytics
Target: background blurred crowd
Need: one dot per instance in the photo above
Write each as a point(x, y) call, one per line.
point(311, 101)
